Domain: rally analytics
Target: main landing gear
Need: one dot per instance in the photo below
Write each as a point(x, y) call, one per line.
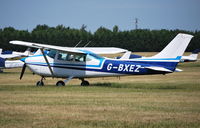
point(62, 83)
point(84, 83)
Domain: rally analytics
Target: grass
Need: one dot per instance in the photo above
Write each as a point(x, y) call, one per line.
point(167, 101)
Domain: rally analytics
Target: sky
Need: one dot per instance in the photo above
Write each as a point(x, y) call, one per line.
point(151, 14)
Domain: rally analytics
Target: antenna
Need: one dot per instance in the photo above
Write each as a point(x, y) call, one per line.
point(78, 43)
point(87, 44)
point(136, 23)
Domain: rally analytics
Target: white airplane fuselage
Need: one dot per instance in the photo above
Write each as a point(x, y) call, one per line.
point(97, 67)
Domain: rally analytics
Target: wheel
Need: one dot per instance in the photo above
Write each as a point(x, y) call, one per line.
point(85, 83)
point(60, 83)
point(40, 83)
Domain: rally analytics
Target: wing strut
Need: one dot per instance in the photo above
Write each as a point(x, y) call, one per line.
point(42, 50)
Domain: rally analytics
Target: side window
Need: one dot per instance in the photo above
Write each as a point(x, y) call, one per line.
point(71, 57)
point(89, 57)
point(62, 56)
point(80, 58)
point(52, 53)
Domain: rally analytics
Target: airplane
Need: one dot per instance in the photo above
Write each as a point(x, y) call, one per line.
point(7, 64)
point(69, 63)
point(192, 57)
point(13, 54)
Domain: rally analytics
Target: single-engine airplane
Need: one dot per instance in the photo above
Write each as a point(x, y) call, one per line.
point(7, 64)
point(13, 54)
point(192, 57)
point(68, 63)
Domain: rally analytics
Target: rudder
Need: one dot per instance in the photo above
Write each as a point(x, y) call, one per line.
point(176, 47)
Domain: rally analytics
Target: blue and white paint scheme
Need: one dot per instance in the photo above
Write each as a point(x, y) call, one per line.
point(65, 62)
point(13, 54)
point(192, 57)
point(7, 64)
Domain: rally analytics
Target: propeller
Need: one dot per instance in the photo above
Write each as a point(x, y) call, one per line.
point(23, 70)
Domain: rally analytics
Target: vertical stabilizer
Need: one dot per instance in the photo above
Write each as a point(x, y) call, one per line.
point(176, 47)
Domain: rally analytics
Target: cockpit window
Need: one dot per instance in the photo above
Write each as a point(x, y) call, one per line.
point(62, 56)
point(52, 53)
point(71, 57)
point(90, 57)
point(80, 58)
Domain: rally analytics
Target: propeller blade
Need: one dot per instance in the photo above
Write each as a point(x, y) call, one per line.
point(22, 72)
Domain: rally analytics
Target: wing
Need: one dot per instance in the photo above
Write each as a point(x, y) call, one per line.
point(96, 50)
point(37, 45)
point(102, 50)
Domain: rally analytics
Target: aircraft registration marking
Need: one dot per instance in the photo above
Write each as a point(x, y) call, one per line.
point(124, 67)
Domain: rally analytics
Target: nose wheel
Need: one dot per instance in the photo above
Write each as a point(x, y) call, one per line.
point(40, 83)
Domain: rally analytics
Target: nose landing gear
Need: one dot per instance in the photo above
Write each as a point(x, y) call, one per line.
point(40, 83)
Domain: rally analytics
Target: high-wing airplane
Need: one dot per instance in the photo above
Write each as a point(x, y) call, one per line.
point(13, 54)
point(192, 57)
point(5, 64)
point(68, 63)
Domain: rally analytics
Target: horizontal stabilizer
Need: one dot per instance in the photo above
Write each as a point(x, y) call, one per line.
point(178, 70)
point(161, 69)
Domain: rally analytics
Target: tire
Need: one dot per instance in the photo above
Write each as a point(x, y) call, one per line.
point(60, 83)
point(85, 83)
point(40, 83)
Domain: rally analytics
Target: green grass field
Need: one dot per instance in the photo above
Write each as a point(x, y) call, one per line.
point(154, 101)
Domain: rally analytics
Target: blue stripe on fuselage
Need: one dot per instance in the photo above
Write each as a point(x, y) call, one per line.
point(116, 66)
point(134, 67)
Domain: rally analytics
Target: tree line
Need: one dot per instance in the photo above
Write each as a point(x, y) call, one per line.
point(140, 40)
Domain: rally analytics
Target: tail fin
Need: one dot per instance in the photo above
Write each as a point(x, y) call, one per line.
point(176, 47)
point(27, 52)
point(0, 50)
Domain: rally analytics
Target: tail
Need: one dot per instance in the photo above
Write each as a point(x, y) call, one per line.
point(176, 47)
point(195, 53)
point(27, 52)
point(167, 60)
point(0, 50)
